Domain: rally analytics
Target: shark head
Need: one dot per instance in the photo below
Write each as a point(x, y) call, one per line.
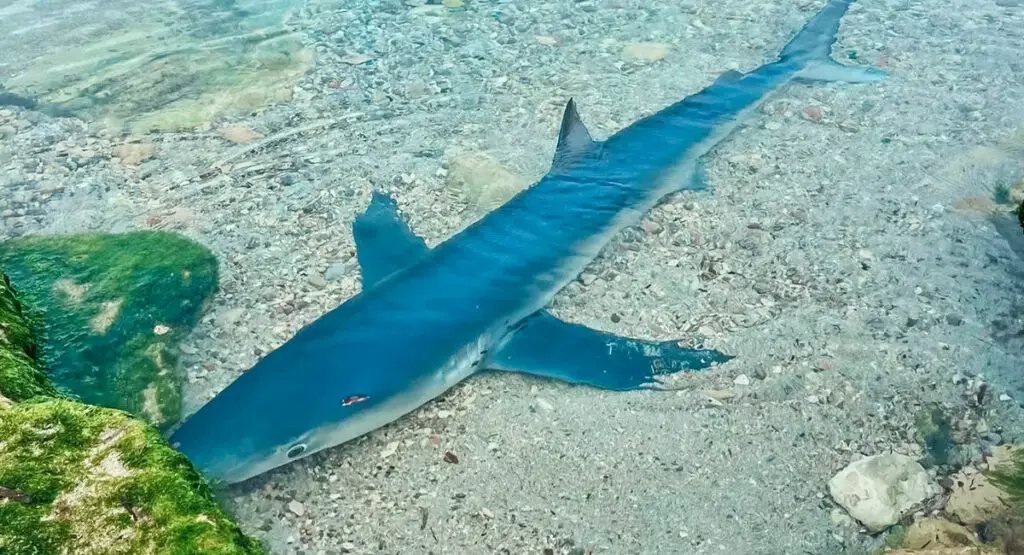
point(324, 387)
point(336, 380)
point(259, 423)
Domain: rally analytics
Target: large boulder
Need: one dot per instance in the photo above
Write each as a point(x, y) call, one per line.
point(113, 309)
point(80, 479)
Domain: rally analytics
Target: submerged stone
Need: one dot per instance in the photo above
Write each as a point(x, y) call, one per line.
point(111, 308)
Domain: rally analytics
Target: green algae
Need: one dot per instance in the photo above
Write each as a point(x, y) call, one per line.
point(20, 378)
point(112, 309)
point(1009, 477)
point(80, 479)
point(96, 480)
point(935, 432)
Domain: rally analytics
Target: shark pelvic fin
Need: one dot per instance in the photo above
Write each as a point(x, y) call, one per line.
point(574, 139)
point(549, 347)
point(384, 242)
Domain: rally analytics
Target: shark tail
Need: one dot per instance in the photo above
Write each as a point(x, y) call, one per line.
point(811, 49)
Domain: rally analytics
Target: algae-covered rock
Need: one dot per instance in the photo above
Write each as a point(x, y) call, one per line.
point(112, 308)
point(79, 479)
point(20, 378)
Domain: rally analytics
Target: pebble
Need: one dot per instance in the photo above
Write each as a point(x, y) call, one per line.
point(133, 154)
point(240, 134)
point(742, 379)
point(389, 450)
point(316, 280)
point(298, 509)
point(1004, 397)
point(720, 394)
point(356, 59)
point(230, 317)
point(644, 52)
point(544, 404)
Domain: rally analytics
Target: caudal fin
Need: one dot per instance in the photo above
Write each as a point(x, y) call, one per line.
point(812, 49)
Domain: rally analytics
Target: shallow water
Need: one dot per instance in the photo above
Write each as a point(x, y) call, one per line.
point(842, 252)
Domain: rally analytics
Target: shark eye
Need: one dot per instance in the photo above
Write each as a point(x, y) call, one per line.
point(296, 450)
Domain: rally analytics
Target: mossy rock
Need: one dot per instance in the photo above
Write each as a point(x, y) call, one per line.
point(20, 377)
point(79, 479)
point(83, 480)
point(112, 309)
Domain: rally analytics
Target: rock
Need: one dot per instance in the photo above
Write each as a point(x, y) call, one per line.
point(317, 280)
point(296, 508)
point(20, 377)
point(933, 532)
point(742, 379)
point(356, 59)
point(81, 479)
point(644, 52)
point(114, 307)
point(338, 270)
point(482, 181)
point(133, 154)
point(878, 490)
point(240, 134)
point(979, 204)
point(974, 498)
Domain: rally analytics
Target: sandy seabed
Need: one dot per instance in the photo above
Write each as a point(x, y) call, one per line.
point(840, 253)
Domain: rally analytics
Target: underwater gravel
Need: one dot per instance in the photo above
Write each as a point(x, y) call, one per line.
point(829, 256)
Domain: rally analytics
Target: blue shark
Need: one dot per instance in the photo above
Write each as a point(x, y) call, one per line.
point(428, 318)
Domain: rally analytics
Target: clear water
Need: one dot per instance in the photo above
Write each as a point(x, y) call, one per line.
point(848, 251)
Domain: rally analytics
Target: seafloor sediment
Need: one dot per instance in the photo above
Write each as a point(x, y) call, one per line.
point(841, 253)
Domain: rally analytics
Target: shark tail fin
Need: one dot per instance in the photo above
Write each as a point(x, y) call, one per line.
point(812, 48)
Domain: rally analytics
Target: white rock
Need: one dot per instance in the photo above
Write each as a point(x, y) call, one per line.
point(1004, 397)
point(742, 379)
point(877, 490)
point(389, 449)
point(297, 508)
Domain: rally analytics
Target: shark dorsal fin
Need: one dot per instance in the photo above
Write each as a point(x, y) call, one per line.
point(573, 138)
point(384, 241)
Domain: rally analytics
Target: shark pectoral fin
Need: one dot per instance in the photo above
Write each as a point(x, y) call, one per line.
point(574, 139)
point(832, 71)
point(384, 242)
point(549, 347)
